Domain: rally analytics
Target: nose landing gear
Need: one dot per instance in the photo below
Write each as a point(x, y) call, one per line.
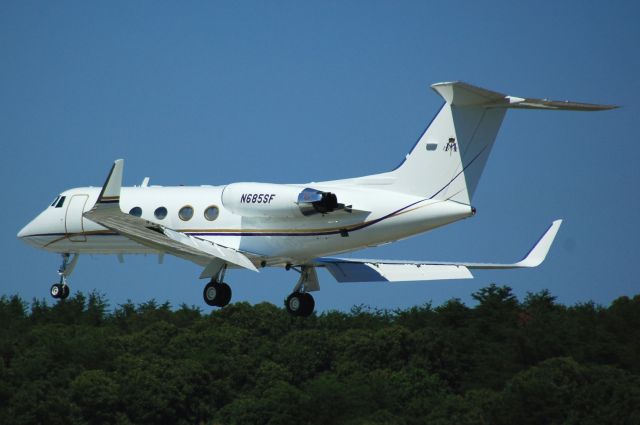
point(61, 290)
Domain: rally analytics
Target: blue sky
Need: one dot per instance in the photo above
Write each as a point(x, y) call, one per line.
point(217, 92)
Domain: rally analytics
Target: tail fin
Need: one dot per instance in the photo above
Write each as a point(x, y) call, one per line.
point(448, 159)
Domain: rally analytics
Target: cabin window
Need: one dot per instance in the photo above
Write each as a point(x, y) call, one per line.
point(211, 213)
point(160, 213)
point(136, 211)
point(61, 202)
point(186, 213)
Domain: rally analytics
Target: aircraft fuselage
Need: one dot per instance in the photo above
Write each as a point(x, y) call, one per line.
point(279, 235)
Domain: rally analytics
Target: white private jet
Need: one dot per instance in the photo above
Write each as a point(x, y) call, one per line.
point(299, 226)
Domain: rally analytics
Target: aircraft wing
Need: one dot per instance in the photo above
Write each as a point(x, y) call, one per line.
point(368, 270)
point(107, 213)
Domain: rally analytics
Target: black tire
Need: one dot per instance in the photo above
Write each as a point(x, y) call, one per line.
point(56, 290)
point(65, 292)
point(308, 304)
point(294, 303)
point(224, 294)
point(217, 294)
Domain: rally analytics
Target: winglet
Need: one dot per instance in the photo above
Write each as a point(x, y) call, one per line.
point(110, 193)
point(539, 252)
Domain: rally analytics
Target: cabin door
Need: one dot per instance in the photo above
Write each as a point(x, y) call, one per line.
point(73, 220)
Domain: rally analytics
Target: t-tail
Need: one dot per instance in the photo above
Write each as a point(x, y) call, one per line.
point(448, 159)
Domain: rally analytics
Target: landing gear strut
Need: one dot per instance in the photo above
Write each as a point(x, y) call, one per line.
point(61, 290)
point(217, 293)
point(300, 302)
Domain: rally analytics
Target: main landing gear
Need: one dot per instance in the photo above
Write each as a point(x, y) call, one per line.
point(217, 293)
point(61, 290)
point(300, 302)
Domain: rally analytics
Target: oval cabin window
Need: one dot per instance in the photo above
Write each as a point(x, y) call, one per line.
point(186, 213)
point(211, 213)
point(160, 213)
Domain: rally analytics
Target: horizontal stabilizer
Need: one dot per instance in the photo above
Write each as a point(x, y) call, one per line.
point(462, 94)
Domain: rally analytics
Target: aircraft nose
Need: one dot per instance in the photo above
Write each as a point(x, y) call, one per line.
point(32, 233)
point(39, 231)
point(26, 231)
point(38, 226)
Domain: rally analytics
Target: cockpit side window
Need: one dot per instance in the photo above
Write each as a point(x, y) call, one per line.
point(61, 202)
point(55, 201)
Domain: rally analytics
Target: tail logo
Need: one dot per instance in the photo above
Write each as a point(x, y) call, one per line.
point(451, 146)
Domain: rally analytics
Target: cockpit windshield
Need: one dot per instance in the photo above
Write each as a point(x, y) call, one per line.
point(58, 202)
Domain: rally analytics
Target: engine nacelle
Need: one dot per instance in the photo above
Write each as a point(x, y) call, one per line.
point(312, 201)
point(277, 200)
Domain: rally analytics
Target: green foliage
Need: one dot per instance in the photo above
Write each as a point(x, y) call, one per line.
point(95, 395)
point(500, 362)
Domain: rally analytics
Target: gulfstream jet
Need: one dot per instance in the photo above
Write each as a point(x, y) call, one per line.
point(300, 227)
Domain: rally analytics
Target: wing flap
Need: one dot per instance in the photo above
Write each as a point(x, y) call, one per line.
point(353, 271)
point(368, 270)
point(229, 255)
point(139, 230)
point(166, 240)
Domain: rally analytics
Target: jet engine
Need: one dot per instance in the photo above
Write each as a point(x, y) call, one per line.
point(312, 201)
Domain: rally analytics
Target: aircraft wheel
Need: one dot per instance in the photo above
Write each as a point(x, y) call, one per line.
point(65, 292)
point(308, 304)
point(300, 304)
point(217, 294)
point(225, 294)
point(293, 303)
point(210, 293)
point(56, 290)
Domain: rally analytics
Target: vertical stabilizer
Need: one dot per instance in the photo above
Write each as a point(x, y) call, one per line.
point(448, 159)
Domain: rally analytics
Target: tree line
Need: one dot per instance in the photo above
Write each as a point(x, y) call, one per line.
point(502, 361)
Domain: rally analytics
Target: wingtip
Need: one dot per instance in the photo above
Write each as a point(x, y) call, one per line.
point(538, 253)
point(110, 193)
